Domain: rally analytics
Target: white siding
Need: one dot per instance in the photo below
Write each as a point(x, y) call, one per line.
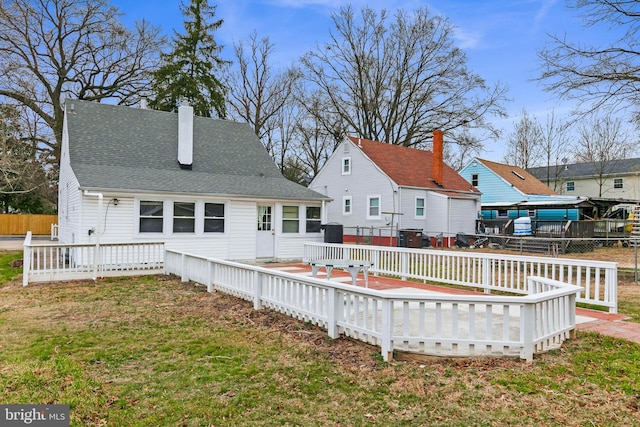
point(463, 216)
point(291, 245)
point(408, 207)
point(242, 230)
point(69, 197)
point(437, 207)
point(365, 180)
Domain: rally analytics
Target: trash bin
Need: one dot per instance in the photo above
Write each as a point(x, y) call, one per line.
point(333, 232)
point(426, 241)
point(410, 238)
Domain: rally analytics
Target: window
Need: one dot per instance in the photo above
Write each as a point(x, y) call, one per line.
point(419, 207)
point(214, 217)
point(474, 179)
point(313, 219)
point(531, 213)
point(151, 216)
point(290, 219)
point(617, 183)
point(374, 207)
point(346, 205)
point(571, 186)
point(264, 218)
point(184, 217)
point(346, 166)
point(502, 213)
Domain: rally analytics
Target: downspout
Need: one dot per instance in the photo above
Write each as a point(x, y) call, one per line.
point(98, 232)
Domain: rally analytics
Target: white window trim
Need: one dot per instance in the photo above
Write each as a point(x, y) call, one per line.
point(200, 218)
point(165, 217)
point(621, 183)
point(283, 219)
point(573, 184)
point(348, 172)
point(424, 207)
point(306, 220)
point(344, 199)
point(369, 198)
point(194, 217)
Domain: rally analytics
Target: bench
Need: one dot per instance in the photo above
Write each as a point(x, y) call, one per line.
point(351, 265)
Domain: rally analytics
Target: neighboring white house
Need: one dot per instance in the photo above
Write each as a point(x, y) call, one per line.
point(615, 179)
point(380, 185)
point(201, 185)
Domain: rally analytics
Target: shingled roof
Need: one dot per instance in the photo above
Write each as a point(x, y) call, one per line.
point(129, 149)
point(518, 177)
point(410, 167)
point(589, 169)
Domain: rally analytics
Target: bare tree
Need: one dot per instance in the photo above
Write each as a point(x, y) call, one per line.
point(258, 93)
point(23, 180)
point(524, 144)
point(555, 146)
point(319, 133)
point(602, 142)
point(458, 156)
point(76, 48)
point(597, 76)
point(396, 79)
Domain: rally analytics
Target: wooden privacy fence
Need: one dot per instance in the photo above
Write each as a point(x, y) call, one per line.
point(19, 224)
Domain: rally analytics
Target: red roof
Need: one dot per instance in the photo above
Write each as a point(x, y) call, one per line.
point(410, 167)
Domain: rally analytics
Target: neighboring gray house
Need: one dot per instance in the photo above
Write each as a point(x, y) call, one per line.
point(380, 185)
point(202, 185)
point(616, 179)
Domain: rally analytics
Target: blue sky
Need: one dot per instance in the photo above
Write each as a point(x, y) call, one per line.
point(500, 37)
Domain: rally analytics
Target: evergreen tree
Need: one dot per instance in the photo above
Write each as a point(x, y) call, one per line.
point(188, 71)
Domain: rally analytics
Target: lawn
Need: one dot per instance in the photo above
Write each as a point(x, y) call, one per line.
point(152, 351)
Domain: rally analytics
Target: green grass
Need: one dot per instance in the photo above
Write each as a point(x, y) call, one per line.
point(154, 351)
point(6, 272)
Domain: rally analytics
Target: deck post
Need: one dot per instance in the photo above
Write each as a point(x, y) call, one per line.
point(333, 310)
point(527, 326)
point(386, 345)
point(257, 290)
point(26, 259)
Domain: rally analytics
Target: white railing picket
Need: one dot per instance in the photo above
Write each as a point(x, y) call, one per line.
point(435, 324)
point(492, 272)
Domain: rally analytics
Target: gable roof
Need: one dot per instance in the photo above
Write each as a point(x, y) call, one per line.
point(588, 169)
point(518, 178)
point(410, 167)
point(136, 150)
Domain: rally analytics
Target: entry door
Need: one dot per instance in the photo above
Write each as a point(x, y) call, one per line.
point(265, 238)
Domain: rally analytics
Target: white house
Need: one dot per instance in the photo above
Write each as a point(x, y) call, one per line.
point(614, 179)
point(385, 187)
point(202, 185)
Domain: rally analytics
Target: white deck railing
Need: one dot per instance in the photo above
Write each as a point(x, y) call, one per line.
point(503, 272)
point(435, 324)
point(56, 262)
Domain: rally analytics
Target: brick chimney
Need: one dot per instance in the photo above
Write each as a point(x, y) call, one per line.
point(185, 135)
point(438, 173)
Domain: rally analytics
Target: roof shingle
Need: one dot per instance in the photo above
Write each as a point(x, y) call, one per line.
point(128, 149)
point(518, 177)
point(411, 167)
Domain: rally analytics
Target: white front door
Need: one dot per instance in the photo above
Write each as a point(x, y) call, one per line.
point(265, 236)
